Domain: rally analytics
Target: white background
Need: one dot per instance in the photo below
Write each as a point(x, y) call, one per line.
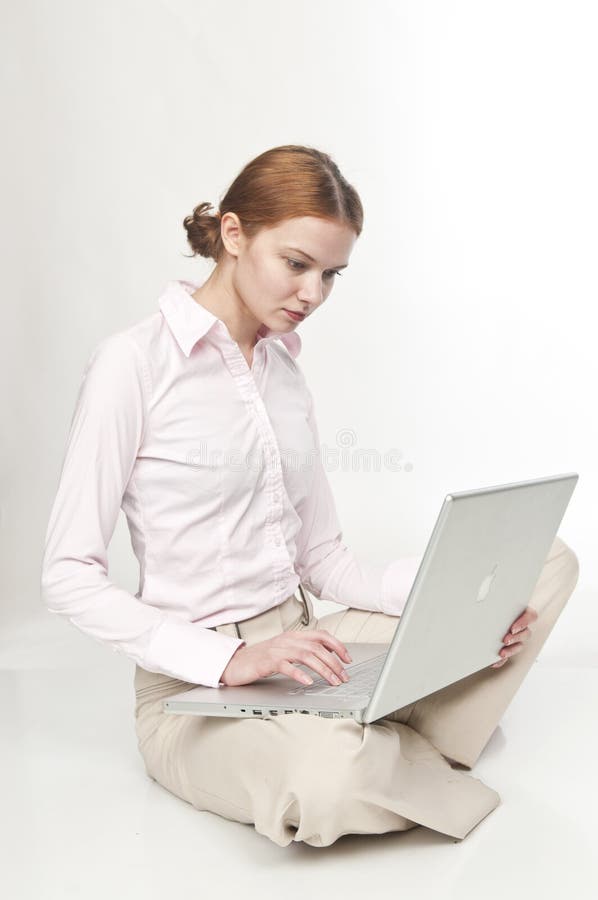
point(462, 335)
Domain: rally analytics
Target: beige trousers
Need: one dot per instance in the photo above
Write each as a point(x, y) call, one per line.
point(306, 778)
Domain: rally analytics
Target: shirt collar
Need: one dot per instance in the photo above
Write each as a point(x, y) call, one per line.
point(189, 321)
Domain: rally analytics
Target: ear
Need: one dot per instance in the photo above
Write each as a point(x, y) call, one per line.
point(231, 232)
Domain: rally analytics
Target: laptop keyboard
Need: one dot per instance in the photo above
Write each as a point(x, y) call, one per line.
point(362, 679)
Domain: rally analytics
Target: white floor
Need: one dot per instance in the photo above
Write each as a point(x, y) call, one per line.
point(80, 818)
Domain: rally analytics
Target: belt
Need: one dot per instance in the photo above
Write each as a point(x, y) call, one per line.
point(304, 618)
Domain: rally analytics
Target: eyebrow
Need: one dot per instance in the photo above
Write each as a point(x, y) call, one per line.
point(303, 253)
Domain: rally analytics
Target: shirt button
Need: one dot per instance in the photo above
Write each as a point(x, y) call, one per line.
point(277, 541)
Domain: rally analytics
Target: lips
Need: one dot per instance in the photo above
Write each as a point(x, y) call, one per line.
point(295, 312)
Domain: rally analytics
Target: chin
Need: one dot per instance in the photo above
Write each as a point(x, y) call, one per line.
point(280, 321)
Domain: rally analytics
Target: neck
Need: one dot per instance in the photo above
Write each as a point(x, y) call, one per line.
point(219, 297)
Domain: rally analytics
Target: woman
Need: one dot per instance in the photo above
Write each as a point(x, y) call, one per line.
point(185, 420)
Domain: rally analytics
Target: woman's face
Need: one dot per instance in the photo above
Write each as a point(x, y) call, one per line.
point(291, 266)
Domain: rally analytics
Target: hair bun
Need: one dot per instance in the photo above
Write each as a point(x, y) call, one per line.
point(203, 230)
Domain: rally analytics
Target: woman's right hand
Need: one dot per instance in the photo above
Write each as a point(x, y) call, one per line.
point(315, 649)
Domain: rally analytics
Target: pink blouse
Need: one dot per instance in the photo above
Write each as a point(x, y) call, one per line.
point(217, 468)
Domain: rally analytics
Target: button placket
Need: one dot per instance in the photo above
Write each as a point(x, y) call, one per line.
point(245, 380)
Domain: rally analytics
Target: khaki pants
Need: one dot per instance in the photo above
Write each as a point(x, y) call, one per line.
point(306, 778)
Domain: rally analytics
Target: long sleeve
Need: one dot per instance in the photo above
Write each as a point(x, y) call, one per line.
point(328, 567)
point(106, 432)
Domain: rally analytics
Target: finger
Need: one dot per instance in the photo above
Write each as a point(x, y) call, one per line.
point(315, 662)
point(287, 668)
point(327, 665)
point(506, 653)
point(329, 640)
point(523, 636)
point(504, 657)
point(528, 616)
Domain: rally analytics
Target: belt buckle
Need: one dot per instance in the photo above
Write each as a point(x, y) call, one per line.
point(305, 617)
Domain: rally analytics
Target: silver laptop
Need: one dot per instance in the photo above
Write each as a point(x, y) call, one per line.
point(478, 572)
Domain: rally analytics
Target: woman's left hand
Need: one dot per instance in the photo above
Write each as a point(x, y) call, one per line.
point(516, 637)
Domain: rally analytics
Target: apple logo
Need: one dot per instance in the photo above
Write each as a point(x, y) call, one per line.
point(486, 585)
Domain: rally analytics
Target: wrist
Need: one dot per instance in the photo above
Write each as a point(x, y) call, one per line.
point(222, 679)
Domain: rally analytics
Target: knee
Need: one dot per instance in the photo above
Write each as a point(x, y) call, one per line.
point(558, 578)
point(568, 563)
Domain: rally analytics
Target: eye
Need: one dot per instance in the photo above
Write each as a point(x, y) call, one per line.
point(297, 266)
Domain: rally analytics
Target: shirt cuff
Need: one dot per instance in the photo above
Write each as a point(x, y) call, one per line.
point(190, 652)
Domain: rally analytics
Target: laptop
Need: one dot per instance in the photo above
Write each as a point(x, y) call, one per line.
point(479, 570)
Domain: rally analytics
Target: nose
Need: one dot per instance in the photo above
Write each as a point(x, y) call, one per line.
point(311, 293)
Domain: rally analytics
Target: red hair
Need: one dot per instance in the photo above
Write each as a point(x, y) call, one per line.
point(281, 183)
